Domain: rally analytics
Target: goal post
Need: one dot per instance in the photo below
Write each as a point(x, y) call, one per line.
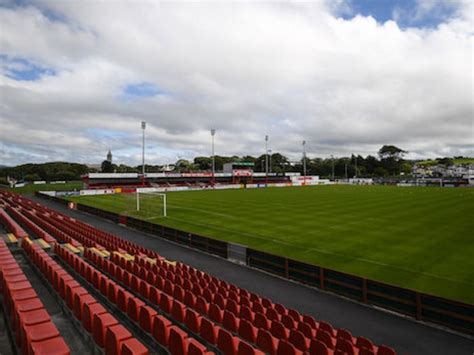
point(140, 200)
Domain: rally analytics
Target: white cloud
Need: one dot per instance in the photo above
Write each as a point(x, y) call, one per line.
point(293, 71)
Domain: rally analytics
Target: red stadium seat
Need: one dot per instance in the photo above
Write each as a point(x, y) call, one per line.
point(196, 348)
point(247, 331)
point(55, 346)
point(227, 343)
point(101, 323)
point(161, 329)
point(345, 334)
point(261, 321)
point(258, 308)
point(112, 292)
point(114, 337)
point(208, 331)
point(247, 349)
point(345, 347)
point(165, 303)
point(232, 307)
point(154, 295)
point(311, 321)
point(279, 331)
point(133, 347)
point(288, 321)
point(317, 347)
point(362, 342)
point(122, 299)
point(192, 320)
point(295, 315)
point(134, 305)
point(38, 333)
point(385, 350)
point(327, 328)
point(144, 288)
point(215, 313)
point(178, 343)
point(202, 306)
point(246, 313)
point(189, 299)
point(286, 348)
point(272, 314)
point(326, 338)
point(230, 322)
point(298, 339)
point(307, 330)
point(267, 342)
point(178, 311)
point(147, 315)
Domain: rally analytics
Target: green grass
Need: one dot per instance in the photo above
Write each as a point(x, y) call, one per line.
point(458, 161)
point(414, 237)
point(31, 188)
point(464, 161)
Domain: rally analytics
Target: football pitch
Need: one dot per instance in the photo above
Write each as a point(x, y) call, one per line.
point(420, 238)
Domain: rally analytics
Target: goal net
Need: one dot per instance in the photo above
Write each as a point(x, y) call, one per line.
point(150, 204)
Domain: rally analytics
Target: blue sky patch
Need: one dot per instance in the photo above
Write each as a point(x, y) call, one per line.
point(143, 89)
point(107, 133)
point(407, 13)
point(21, 69)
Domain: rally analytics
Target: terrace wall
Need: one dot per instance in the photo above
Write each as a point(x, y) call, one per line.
point(452, 314)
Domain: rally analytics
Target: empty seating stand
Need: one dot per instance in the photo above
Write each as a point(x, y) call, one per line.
point(31, 326)
point(94, 317)
point(136, 308)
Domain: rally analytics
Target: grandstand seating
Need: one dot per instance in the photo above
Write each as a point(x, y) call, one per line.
point(31, 325)
point(182, 309)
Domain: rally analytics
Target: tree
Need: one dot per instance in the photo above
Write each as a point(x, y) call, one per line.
point(446, 161)
point(122, 168)
point(203, 163)
point(32, 177)
point(391, 152)
point(107, 167)
point(183, 165)
point(391, 159)
point(279, 163)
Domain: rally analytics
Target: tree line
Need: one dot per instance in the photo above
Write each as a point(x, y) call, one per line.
point(389, 161)
point(56, 171)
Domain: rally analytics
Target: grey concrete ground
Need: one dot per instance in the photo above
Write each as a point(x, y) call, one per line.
point(405, 335)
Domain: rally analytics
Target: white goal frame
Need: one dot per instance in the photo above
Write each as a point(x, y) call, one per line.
point(163, 195)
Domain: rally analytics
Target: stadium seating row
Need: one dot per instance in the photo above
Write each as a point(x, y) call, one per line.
point(106, 331)
point(31, 325)
point(177, 341)
point(176, 309)
point(11, 225)
point(235, 309)
point(39, 232)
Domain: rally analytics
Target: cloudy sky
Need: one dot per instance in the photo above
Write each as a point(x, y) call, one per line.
point(77, 77)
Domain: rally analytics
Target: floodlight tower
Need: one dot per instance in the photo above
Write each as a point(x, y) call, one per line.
point(143, 148)
point(213, 132)
point(356, 166)
point(266, 159)
point(304, 162)
point(270, 155)
point(332, 158)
